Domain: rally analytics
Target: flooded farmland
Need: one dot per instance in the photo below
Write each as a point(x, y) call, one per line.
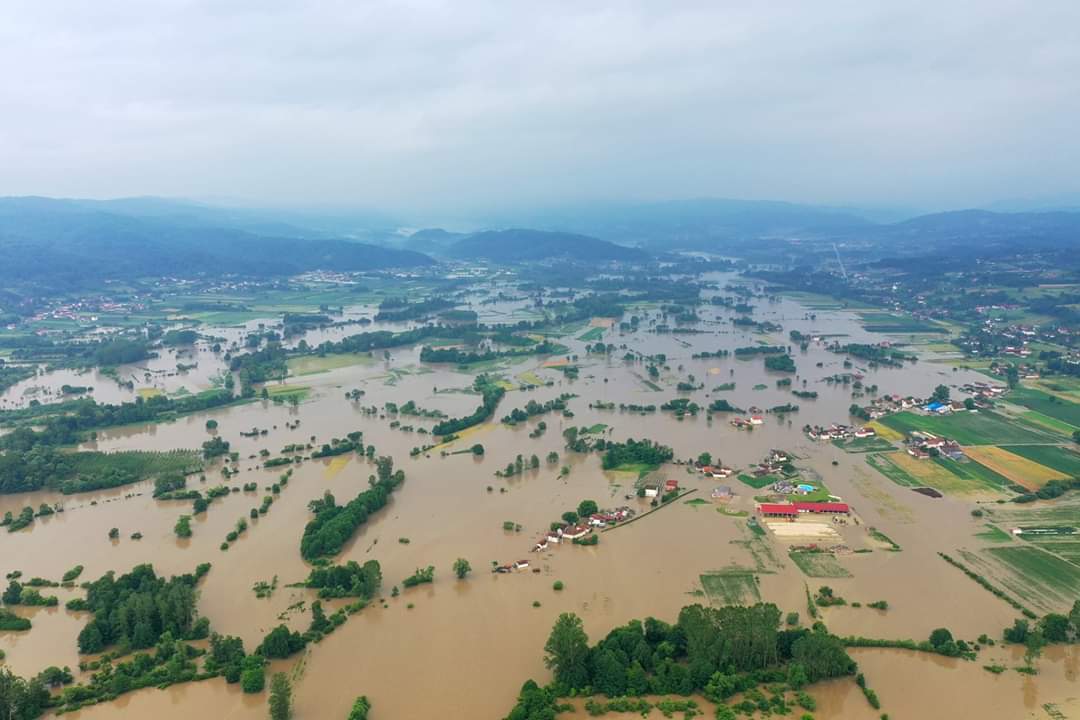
point(463, 648)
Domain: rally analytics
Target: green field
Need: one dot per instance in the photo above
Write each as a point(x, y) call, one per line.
point(1052, 456)
point(974, 472)
point(1063, 511)
point(947, 476)
point(1067, 546)
point(732, 586)
point(757, 482)
point(592, 334)
point(285, 392)
point(1038, 576)
point(967, 428)
point(994, 534)
point(818, 564)
point(139, 462)
point(313, 364)
point(864, 445)
point(1037, 418)
point(1049, 405)
point(893, 324)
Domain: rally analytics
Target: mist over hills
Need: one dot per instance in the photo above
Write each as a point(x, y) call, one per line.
point(64, 242)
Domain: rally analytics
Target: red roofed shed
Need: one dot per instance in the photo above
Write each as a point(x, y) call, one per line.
point(778, 510)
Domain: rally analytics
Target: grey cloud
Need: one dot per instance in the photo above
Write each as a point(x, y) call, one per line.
point(466, 105)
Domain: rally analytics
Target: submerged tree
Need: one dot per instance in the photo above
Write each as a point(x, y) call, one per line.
point(280, 697)
point(568, 652)
point(360, 709)
point(462, 568)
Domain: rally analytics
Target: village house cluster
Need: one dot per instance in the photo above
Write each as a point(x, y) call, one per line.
point(924, 445)
point(837, 431)
point(773, 463)
point(576, 531)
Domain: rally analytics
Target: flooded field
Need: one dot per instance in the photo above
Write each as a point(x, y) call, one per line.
point(462, 649)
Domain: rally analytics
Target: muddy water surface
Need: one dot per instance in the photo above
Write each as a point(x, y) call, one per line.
point(463, 648)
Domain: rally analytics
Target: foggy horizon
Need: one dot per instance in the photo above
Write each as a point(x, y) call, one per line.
point(440, 110)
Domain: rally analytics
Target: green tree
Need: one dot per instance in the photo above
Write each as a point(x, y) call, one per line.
point(587, 508)
point(1055, 628)
point(941, 394)
point(280, 697)
point(253, 674)
point(183, 527)
point(21, 699)
point(704, 459)
point(939, 637)
point(1033, 645)
point(462, 568)
point(360, 709)
point(567, 652)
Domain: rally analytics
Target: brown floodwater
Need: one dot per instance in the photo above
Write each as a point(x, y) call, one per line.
point(464, 648)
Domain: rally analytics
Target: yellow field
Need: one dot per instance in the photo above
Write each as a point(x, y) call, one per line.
point(1020, 470)
point(150, 392)
point(556, 362)
point(336, 465)
point(530, 378)
point(885, 433)
point(602, 322)
point(934, 475)
point(465, 434)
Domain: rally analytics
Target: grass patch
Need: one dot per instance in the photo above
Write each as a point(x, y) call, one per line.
point(994, 534)
point(818, 564)
point(731, 586)
point(732, 513)
point(864, 445)
point(968, 428)
point(592, 334)
point(1061, 459)
point(285, 392)
point(595, 429)
point(639, 469)
point(696, 502)
point(757, 482)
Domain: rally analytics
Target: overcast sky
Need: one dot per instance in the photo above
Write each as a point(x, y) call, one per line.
point(431, 105)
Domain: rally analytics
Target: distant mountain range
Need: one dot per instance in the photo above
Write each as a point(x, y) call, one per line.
point(71, 243)
point(65, 243)
point(523, 245)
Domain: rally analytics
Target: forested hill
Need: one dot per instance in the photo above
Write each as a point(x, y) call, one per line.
point(62, 243)
point(528, 245)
